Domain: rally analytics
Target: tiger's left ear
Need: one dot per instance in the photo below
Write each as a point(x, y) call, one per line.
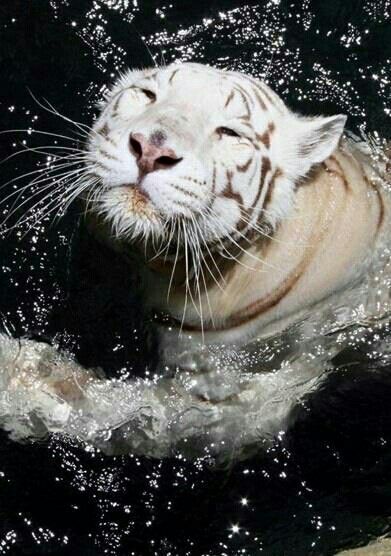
point(316, 139)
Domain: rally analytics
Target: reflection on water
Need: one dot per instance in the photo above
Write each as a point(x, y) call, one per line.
point(304, 494)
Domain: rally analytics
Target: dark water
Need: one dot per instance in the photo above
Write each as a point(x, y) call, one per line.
point(326, 485)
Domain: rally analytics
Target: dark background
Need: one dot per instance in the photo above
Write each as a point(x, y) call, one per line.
point(326, 484)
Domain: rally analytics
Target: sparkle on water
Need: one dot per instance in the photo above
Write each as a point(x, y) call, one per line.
point(130, 505)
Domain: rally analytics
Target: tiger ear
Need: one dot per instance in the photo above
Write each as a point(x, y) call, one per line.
point(317, 138)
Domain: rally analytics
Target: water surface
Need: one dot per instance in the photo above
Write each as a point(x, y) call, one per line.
point(321, 487)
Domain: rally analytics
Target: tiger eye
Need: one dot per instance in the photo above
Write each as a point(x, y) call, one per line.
point(227, 131)
point(150, 94)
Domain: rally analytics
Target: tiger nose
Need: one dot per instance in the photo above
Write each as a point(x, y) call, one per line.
point(150, 157)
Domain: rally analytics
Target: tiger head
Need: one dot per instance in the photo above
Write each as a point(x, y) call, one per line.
point(209, 153)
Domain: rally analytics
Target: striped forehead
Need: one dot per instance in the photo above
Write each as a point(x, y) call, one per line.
point(198, 84)
point(236, 95)
point(216, 89)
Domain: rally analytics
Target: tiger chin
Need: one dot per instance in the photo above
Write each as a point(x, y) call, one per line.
point(249, 222)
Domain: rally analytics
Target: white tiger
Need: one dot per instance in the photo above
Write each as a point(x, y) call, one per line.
point(248, 219)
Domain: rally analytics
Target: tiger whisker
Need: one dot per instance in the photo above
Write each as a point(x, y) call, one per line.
point(251, 255)
point(15, 208)
point(206, 290)
point(63, 182)
point(53, 205)
point(28, 215)
point(195, 246)
point(229, 256)
point(186, 285)
point(78, 193)
point(43, 175)
point(59, 179)
point(78, 190)
point(39, 218)
point(175, 261)
point(61, 200)
point(173, 227)
point(187, 272)
point(39, 171)
point(39, 150)
point(146, 46)
point(39, 132)
point(84, 128)
point(92, 197)
point(205, 243)
point(261, 232)
point(164, 247)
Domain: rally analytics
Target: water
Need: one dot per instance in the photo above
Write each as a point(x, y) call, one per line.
point(325, 484)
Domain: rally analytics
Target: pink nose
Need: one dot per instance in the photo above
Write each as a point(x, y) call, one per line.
point(150, 157)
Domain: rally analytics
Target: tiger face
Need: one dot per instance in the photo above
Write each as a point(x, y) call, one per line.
point(211, 153)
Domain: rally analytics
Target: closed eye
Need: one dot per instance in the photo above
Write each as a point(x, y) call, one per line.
point(227, 131)
point(149, 94)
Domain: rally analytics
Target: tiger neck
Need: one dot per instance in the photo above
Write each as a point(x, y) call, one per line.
point(213, 265)
point(307, 258)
